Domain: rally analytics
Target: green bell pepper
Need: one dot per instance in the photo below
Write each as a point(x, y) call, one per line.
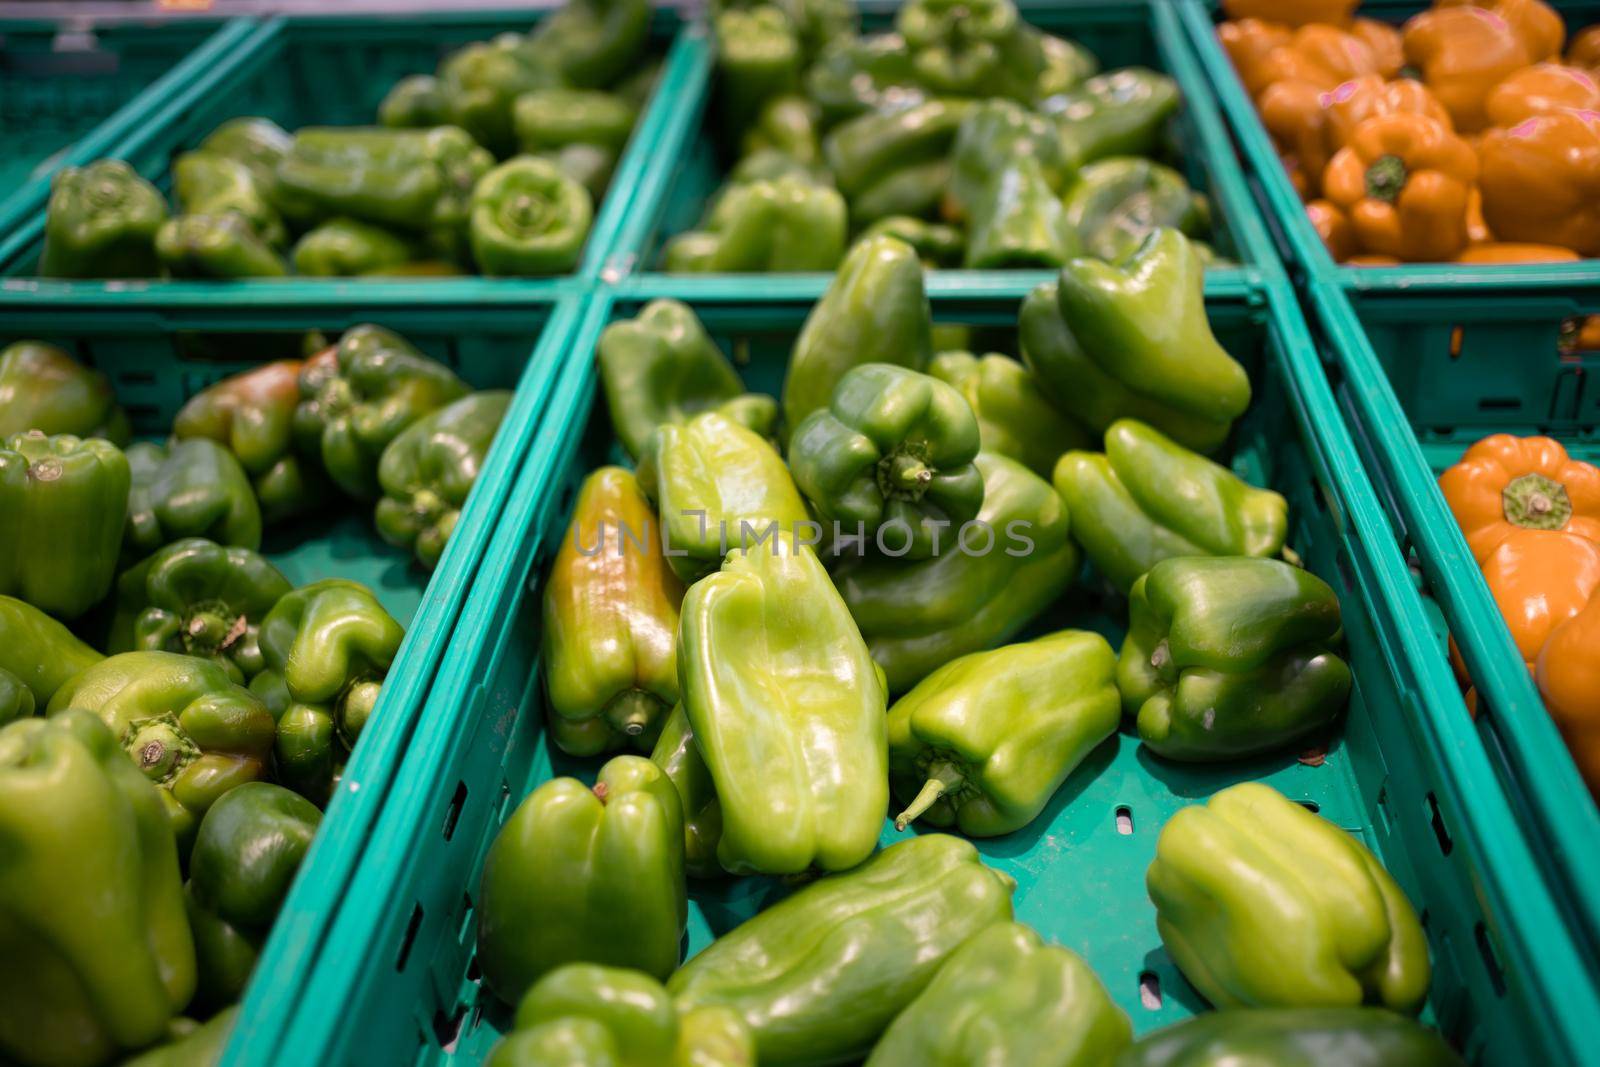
point(581, 875)
point(1091, 396)
point(583, 1015)
point(1005, 997)
point(251, 414)
point(866, 150)
point(414, 180)
point(788, 124)
point(60, 499)
point(548, 119)
point(187, 727)
point(1293, 1037)
point(347, 248)
point(1119, 113)
point(37, 655)
point(914, 190)
point(210, 183)
point(216, 246)
point(716, 485)
point(1143, 321)
point(1148, 498)
point(225, 956)
point(196, 597)
point(529, 218)
point(894, 447)
point(258, 143)
point(101, 222)
point(1014, 417)
point(758, 59)
point(985, 741)
point(818, 976)
point(1017, 222)
point(1227, 658)
point(971, 47)
point(874, 311)
point(190, 488)
point(936, 245)
point(480, 82)
point(97, 955)
point(1067, 65)
point(414, 102)
point(1263, 904)
point(43, 388)
point(855, 76)
point(787, 710)
point(201, 1046)
point(359, 395)
point(993, 138)
point(327, 647)
point(789, 224)
point(679, 759)
point(1115, 203)
point(428, 471)
point(984, 585)
point(593, 42)
point(815, 23)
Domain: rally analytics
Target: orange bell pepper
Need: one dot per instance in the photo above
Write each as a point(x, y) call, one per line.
point(1541, 181)
point(1372, 259)
point(1384, 40)
point(1511, 252)
point(1293, 12)
point(1359, 99)
point(1324, 56)
point(1541, 89)
point(1504, 483)
point(1568, 673)
point(1248, 43)
point(1535, 23)
point(1292, 113)
point(1404, 181)
point(1584, 49)
point(1334, 229)
point(1539, 580)
point(1463, 53)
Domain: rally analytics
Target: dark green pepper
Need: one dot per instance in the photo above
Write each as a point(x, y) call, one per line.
point(479, 85)
point(789, 224)
point(914, 190)
point(60, 498)
point(593, 42)
point(256, 142)
point(1293, 1037)
point(855, 76)
point(787, 124)
point(680, 760)
point(1119, 113)
point(192, 488)
point(210, 183)
point(936, 245)
point(344, 248)
point(758, 59)
point(994, 136)
point(1116, 203)
point(550, 119)
point(529, 218)
point(971, 47)
point(1014, 417)
point(816, 23)
point(216, 246)
point(43, 388)
point(415, 102)
point(101, 223)
point(1230, 657)
point(868, 149)
point(37, 656)
point(1017, 222)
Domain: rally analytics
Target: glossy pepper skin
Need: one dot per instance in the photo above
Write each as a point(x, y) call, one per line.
point(479, 84)
point(211, 183)
point(529, 218)
point(201, 1046)
point(867, 151)
point(60, 498)
point(190, 488)
point(101, 223)
point(937, 245)
point(350, 248)
point(610, 622)
point(1293, 1037)
point(585, 875)
point(1540, 180)
point(251, 414)
point(874, 311)
point(985, 741)
point(789, 125)
point(1325, 57)
point(1015, 418)
point(185, 725)
point(1542, 89)
point(1114, 204)
point(1147, 498)
point(1539, 579)
point(1341, 111)
point(1228, 658)
point(1503, 483)
point(1463, 53)
point(1006, 997)
point(961, 48)
point(359, 395)
point(584, 1015)
point(1067, 64)
point(549, 120)
point(1404, 181)
point(1144, 322)
point(97, 952)
point(994, 135)
point(917, 616)
point(854, 76)
point(327, 647)
point(1263, 904)
point(37, 655)
point(256, 142)
point(785, 224)
point(820, 975)
point(679, 758)
point(787, 710)
point(43, 388)
point(758, 60)
point(1568, 673)
point(414, 102)
point(428, 470)
point(716, 484)
point(593, 42)
point(895, 447)
point(215, 246)
point(1118, 113)
point(1018, 223)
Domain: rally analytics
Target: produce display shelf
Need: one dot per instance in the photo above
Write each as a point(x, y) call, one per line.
point(331, 70)
point(1419, 378)
point(689, 168)
point(155, 362)
point(397, 981)
point(1302, 249)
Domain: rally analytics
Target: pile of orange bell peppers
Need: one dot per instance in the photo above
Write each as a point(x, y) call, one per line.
point(1463, 136)
point(1531, 515)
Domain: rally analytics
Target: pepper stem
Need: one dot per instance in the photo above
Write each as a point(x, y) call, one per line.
point(1536, 502)
point(942, 777)
point(1161, 656)
point(904, 476)
point(631, 712)
point(1386, 177)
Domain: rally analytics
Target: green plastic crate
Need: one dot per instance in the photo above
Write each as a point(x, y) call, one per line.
point(156, 361)
point(1121, 32)
point(397, 982)
point(1420, 378)
point(1296, 237)
point(329, 70)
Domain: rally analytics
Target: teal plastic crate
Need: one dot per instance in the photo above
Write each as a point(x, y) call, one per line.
point(397, 982)
point(1420, 378)
point(68, 90)
point(1121, 32)
point(331, 70)
point(155, 362)
point(1297, 239)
